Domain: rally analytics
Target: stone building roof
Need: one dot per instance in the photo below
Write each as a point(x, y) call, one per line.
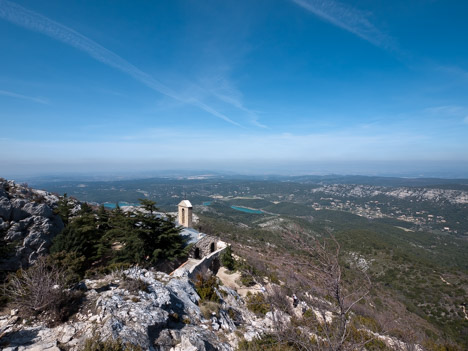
point(192, 235)
point(185, 203)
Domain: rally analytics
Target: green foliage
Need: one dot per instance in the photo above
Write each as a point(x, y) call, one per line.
point(79, 236)
point(267, 342)
point(206, 287)
point(93, 240)
point(74, 265)
point(257, 304)
point(431, 345)
point(148, 205)
point(227, 260)
point(64, 208)
point(367, 322)
point(360, 336)
point(95, 344)
point(247, 280)
point(6, 248)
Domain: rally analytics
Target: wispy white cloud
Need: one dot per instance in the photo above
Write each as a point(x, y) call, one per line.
point(221, 87)
point(31, 20)
point(23, 97)
point(349, 19)
point(237, 103)
point(451, 110)
point(451, 69)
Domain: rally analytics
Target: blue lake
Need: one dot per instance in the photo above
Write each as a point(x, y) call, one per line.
point(112, 205)
point(247, 210)
point(207, 203)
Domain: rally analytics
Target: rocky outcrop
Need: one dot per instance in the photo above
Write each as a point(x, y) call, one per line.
point(27, 223)
point(163, 314)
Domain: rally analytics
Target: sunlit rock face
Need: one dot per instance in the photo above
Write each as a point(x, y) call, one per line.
point(27, 223)
point(165, 315)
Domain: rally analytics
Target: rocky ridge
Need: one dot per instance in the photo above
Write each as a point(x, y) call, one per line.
point(163, 316)
point(416, 194)
point(27, 223)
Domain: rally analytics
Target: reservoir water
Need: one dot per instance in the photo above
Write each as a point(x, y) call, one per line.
point(122, 203)
point(247, 210)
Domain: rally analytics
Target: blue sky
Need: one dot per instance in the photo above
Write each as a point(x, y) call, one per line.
point(276, 86)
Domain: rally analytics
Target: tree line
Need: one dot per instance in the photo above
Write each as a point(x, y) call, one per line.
point(100, 239)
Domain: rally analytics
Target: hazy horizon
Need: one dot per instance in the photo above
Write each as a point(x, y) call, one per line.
point(79, 171)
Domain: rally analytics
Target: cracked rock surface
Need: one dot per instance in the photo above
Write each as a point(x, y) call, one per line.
point(27, 223)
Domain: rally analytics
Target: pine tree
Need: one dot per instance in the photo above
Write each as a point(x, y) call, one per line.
point(80, 236)
point(227, 260)
point(64, 208)
point(148, 205)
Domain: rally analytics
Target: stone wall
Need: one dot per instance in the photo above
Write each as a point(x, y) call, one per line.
point(204, 247)
point(210, 262)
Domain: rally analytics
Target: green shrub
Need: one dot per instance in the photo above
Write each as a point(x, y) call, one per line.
point(247, 279)
point(74, 265)
point(95, 344)
point(267, 342)
point(257, 304)
point(206, 287)
point(227, 260)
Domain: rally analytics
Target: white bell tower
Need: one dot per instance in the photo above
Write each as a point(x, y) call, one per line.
point(185, 213)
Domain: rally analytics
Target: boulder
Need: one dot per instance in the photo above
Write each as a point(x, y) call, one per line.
point(17, 213)
point(14, 233)
point(41, 231)
point(34, 209)
point(185, 295)
point(5, 208)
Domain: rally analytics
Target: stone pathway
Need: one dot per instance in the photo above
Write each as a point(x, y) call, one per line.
point(232, 281)
point(185, 267)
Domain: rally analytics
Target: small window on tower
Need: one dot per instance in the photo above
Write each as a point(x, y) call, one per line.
point(183, 216)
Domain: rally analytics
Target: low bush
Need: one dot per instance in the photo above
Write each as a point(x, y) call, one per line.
point(208, 308)
point(95, 344)
point(247, 279)
point(134, 285)
point(265, 343)
point(206, 286)
point(257, 304)
point(42, 289)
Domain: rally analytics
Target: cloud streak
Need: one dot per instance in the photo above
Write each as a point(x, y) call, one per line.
point(347, 18)
point(28, 19)
point(23, 97)
point(221, 88)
